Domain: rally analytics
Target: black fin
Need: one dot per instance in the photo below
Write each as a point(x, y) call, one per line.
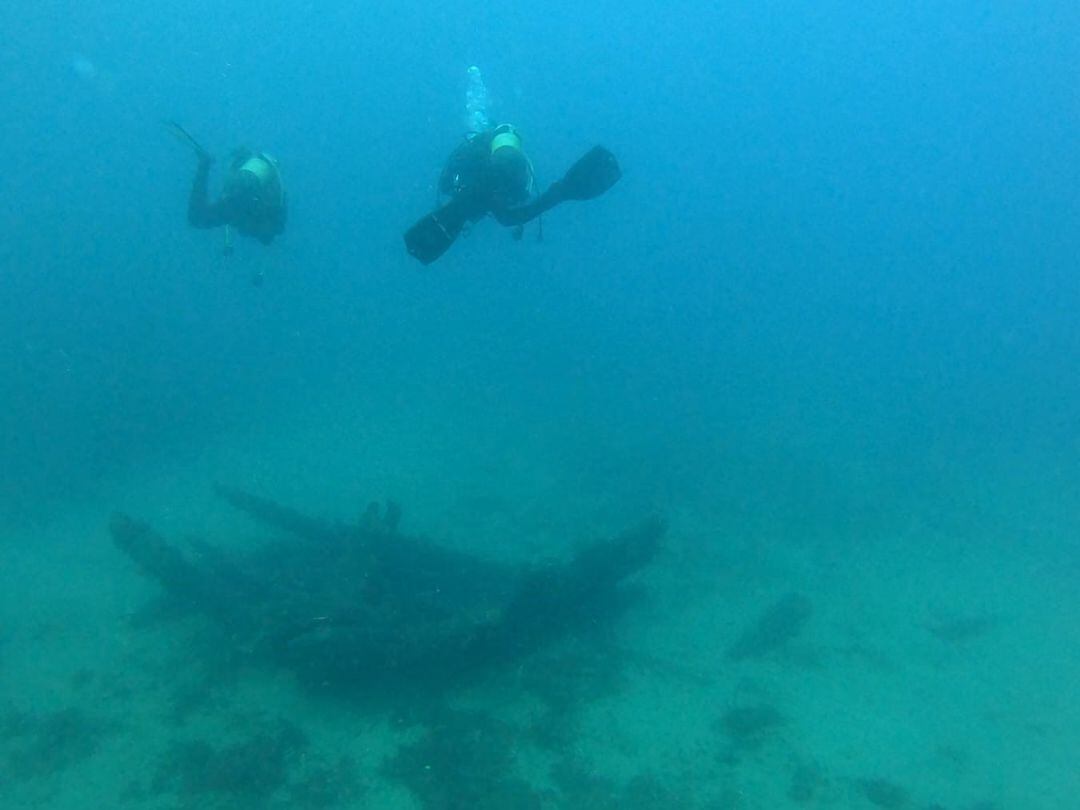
point(594, 173)
point(430, 237)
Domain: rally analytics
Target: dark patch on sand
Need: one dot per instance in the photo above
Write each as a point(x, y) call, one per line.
point(42, 745)
point(579, 786)
point(464, 761)
point(270, 766)
point(961, 629)
point(747, 727)
point(883, 793)
point(779, 624)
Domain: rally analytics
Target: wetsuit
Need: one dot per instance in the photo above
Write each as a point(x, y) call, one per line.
point(254, 207)
point(481, 181)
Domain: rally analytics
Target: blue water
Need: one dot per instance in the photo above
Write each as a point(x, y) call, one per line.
point(826, 324)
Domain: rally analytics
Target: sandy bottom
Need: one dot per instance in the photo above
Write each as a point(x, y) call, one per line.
point(936, 667)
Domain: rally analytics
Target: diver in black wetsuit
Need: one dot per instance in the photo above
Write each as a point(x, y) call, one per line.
point(491, 174)
point(253, 201)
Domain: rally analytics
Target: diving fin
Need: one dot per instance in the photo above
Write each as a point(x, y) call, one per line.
point(594, 173)
point(184, 136)
point(433, 234)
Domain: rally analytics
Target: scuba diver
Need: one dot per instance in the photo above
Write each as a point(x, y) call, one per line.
point(253, 200)
point(490, 174)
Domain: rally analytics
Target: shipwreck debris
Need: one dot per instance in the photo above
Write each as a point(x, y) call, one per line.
point(360, 604)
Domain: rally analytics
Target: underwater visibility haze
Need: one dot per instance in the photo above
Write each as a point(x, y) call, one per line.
point(751, 481)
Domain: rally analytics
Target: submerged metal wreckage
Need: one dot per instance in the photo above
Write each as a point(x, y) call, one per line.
point(363, 604)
